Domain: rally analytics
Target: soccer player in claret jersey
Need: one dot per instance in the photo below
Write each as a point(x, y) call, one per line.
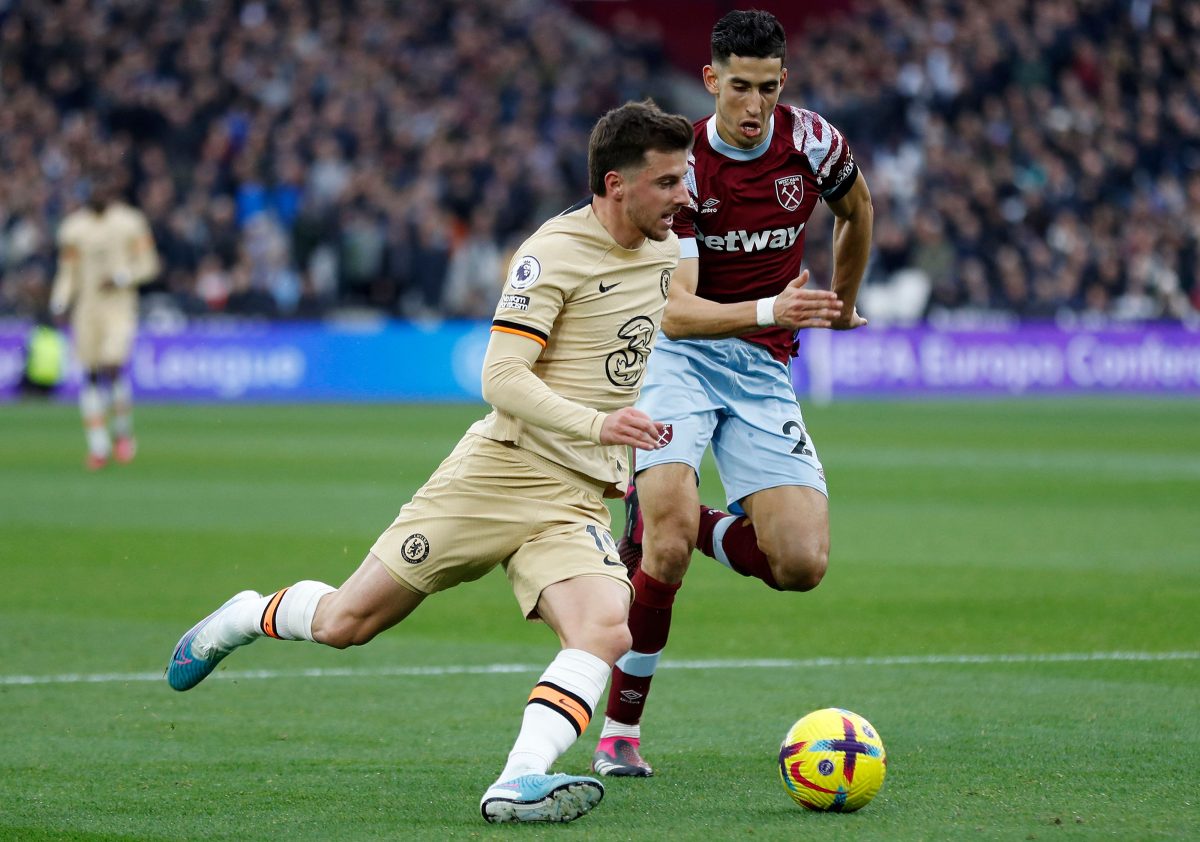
point(524, 488)
point(757, 171)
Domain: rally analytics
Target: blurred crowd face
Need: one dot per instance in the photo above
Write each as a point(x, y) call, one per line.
point(747, 90)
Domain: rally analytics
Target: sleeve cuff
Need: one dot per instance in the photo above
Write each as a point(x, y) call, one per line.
point(597, 423)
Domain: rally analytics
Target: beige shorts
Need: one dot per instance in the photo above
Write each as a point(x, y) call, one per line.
point(103, 337)
point(483, 507)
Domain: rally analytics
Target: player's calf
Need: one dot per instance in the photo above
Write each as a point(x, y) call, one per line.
point(788, 560)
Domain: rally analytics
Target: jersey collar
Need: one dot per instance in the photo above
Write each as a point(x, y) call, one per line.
point(736, 152)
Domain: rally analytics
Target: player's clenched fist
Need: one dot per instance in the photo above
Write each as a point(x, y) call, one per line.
point(632, 427)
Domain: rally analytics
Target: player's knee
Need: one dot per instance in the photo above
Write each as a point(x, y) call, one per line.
point(670, 556)
point(801, 565)
point(669, 548)
point(615, 642)
point(607, 639)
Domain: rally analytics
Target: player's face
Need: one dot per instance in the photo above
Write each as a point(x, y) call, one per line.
point(747, 90)
point(655, 193)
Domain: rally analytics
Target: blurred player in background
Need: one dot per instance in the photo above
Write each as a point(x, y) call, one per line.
point(105, 250)
point(524, 487)
point(756, 174)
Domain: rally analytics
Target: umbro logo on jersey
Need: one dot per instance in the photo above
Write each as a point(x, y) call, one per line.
point(604, 288)
point(710, 206)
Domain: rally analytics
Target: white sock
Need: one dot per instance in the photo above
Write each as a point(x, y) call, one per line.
point(612, 728)
point(231, 628)
point(288, 614)
point(719, 539)
point(122, 407)
point(557, 713)
point(94, 408)
point(290, 618)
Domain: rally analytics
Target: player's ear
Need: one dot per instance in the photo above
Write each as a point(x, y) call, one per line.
point(614, 184)
point(782, 78)
point(709, 74)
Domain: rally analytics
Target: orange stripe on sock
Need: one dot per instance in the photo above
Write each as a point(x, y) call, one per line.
point(268, 617)
point(565, 703)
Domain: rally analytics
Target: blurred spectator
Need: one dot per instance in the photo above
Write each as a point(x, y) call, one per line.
point(1034, 157)
point(1054, 143)
point(476, 271)
point(294, 156)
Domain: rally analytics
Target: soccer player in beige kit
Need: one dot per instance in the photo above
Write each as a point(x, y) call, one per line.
point(523, 489)
point(105, 250)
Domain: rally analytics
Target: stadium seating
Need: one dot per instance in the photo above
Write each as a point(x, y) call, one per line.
point(1037, 159)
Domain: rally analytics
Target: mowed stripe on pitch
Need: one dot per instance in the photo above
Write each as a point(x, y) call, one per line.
point(732, 664)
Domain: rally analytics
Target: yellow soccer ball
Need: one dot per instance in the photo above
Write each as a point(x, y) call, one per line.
point(832, 760)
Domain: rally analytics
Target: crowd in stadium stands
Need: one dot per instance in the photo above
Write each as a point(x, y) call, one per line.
point(1038, 158)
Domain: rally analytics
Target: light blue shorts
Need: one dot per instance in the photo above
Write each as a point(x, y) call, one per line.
point(736, 396)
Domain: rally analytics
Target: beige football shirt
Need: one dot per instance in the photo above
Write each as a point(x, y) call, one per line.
point(595, 308)
point(95, 246)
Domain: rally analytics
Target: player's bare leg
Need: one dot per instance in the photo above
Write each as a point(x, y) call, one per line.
point(670, 507)
point(783, 540)
point(121, 403)
point(93, 408)
point(588, 614)
point(369, 602)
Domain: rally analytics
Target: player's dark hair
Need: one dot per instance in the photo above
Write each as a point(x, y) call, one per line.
point(749, 33)
point(623, 136)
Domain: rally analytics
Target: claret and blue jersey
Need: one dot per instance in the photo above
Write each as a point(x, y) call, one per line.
point(750, 208)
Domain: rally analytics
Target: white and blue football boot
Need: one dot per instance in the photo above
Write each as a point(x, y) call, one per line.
point(541, 798)
point(191, 663)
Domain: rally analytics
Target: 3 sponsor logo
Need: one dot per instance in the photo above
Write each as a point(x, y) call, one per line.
point(626, 366)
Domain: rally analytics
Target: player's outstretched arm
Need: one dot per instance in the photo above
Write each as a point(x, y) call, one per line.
point(852, 227)
point(689, 316)
point(509, 384)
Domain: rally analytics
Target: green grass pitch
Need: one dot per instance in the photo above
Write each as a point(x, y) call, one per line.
point(991, 561)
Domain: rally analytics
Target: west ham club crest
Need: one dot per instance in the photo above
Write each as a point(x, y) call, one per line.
point(789, 190)
point(666, 435)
